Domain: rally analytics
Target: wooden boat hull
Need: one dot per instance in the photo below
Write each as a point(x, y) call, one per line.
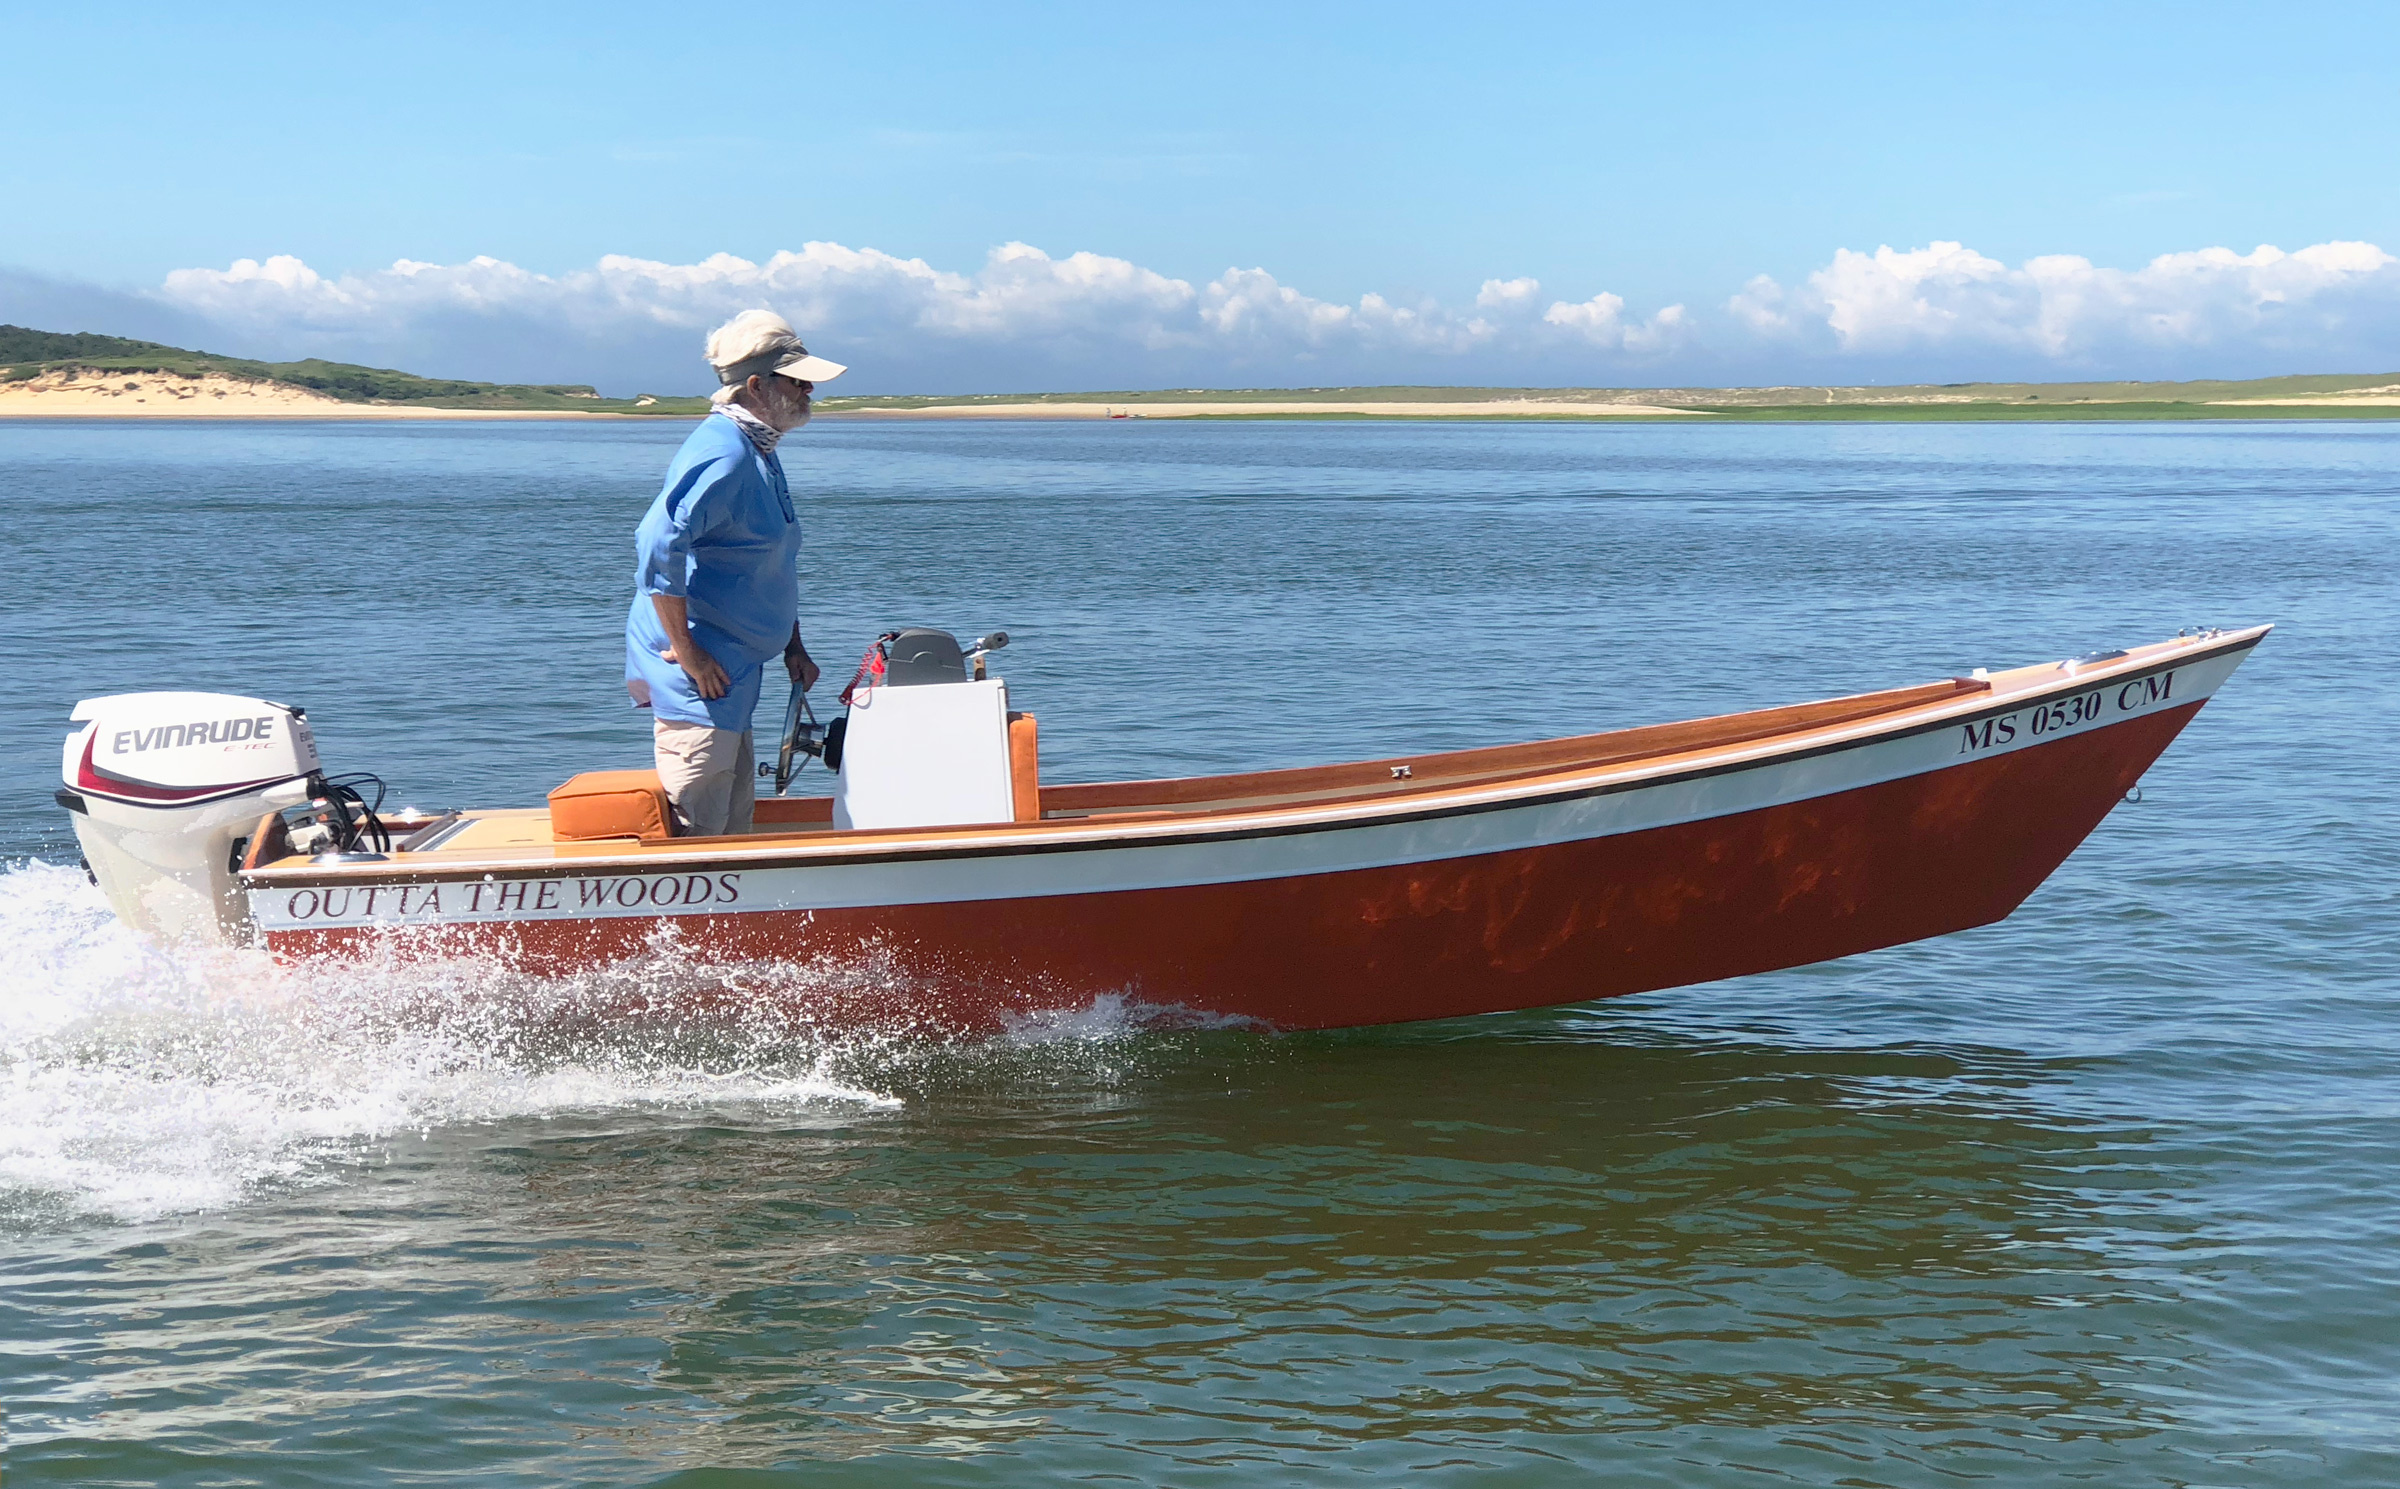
point(1559, 887)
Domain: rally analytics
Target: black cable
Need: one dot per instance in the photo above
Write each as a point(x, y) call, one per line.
point(342, 793)
point(358, 777)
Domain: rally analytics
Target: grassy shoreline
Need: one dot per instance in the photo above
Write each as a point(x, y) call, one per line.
point(1874, 414)
point(2304, 396)
point(42, 371)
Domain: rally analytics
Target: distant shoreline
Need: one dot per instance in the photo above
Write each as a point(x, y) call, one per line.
point(130, 393)
point(2091, 413)
point(1208, 408)
point(1513, 411)
point(345, 413)
point(55, 374)
point(2314, 396)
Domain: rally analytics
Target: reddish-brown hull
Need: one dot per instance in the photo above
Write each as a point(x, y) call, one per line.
point(1801, 882)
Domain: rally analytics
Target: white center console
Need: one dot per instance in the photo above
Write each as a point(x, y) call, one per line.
point(925, 757)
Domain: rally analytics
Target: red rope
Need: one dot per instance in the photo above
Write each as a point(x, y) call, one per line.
point(870, 666)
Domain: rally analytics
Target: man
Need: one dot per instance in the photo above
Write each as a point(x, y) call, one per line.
point(717, 587)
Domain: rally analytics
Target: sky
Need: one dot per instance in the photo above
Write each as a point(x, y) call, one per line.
point(963, 198)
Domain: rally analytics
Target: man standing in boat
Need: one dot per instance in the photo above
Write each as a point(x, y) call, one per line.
point(717, 585)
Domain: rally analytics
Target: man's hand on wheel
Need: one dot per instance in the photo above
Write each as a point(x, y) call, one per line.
point(800, 665)
point(708, 679)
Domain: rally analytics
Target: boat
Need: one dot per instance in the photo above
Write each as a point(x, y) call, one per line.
point(1381, 891)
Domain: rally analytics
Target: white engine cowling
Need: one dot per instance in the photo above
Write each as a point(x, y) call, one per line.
point(165, 789)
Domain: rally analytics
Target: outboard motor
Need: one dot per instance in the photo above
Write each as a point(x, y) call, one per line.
point(165, 789)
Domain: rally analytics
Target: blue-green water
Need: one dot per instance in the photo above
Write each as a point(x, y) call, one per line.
point(2104, 1193)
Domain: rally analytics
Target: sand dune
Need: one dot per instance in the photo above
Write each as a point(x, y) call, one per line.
point(140, 395)
point(2385, 397)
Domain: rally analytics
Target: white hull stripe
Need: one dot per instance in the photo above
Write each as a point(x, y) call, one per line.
point(761, 881)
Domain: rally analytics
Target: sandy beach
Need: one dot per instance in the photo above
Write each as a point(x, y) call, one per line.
point(2362, 398)
point(146, 395)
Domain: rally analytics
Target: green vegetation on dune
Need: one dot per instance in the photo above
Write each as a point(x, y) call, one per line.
point(27, 354)
point(20, 344)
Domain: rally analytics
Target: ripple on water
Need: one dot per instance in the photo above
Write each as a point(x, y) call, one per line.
point(2101, 1193)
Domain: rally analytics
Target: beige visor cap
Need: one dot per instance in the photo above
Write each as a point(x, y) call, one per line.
point(810, 369)
point(758, 342)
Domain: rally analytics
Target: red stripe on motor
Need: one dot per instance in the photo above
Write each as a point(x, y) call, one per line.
point(92, 778)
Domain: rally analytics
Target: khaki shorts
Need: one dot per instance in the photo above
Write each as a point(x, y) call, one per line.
point(710, 776)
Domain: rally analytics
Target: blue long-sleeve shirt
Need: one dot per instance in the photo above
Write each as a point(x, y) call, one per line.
point(723, 535)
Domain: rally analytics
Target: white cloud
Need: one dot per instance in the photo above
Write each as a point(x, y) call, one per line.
point(2330, 301)
point(1761, 307)
point(1024, 319)
point(1601, 321)
point(1027, 320)
point(1507, 294)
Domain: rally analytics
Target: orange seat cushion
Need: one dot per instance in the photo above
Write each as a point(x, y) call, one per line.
point(611, 804)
